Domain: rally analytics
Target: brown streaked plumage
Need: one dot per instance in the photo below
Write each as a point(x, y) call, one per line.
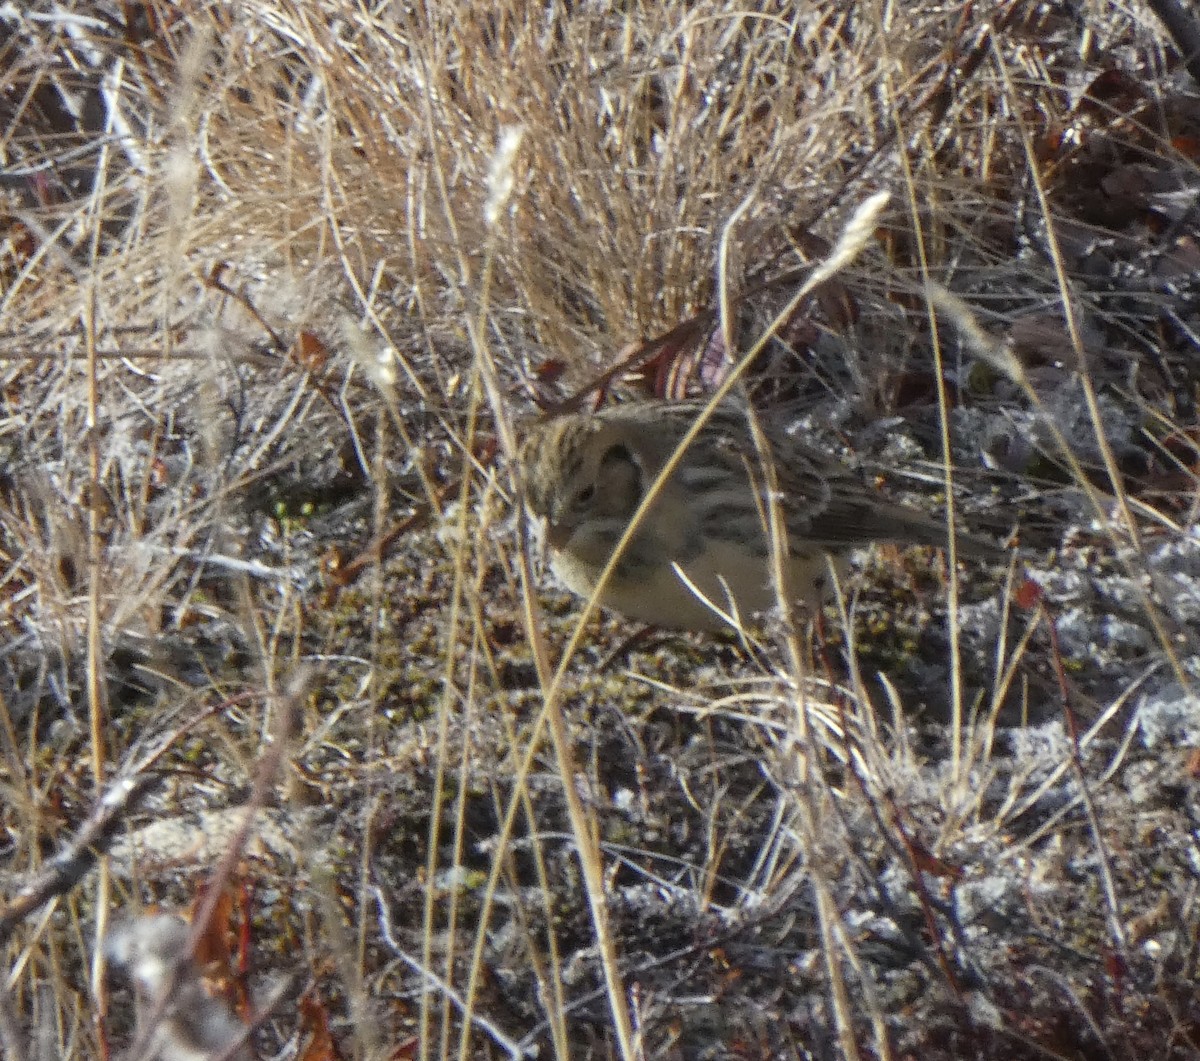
point(586, 474)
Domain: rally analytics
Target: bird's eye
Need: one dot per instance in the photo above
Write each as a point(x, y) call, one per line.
point(584, 497)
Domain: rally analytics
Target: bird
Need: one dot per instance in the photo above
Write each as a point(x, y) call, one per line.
point(585, 475)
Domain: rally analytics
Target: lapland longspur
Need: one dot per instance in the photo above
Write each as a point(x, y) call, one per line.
point(586, 474)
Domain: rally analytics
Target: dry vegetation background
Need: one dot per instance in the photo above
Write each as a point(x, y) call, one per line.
point(279, 281)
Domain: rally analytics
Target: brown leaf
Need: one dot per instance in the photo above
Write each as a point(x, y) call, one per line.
point(314, 1023)
point(927, 862)
point(310, 352)
point(1028, 594)
point(1193, 764)
point(1112, 91)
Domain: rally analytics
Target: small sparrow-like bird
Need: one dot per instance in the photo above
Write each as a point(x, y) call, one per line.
point(586, 474)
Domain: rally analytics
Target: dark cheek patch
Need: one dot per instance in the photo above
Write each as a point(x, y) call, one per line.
point(617, 454)
point(620, 479)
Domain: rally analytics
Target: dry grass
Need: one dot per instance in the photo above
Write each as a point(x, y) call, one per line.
point(281, 280)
